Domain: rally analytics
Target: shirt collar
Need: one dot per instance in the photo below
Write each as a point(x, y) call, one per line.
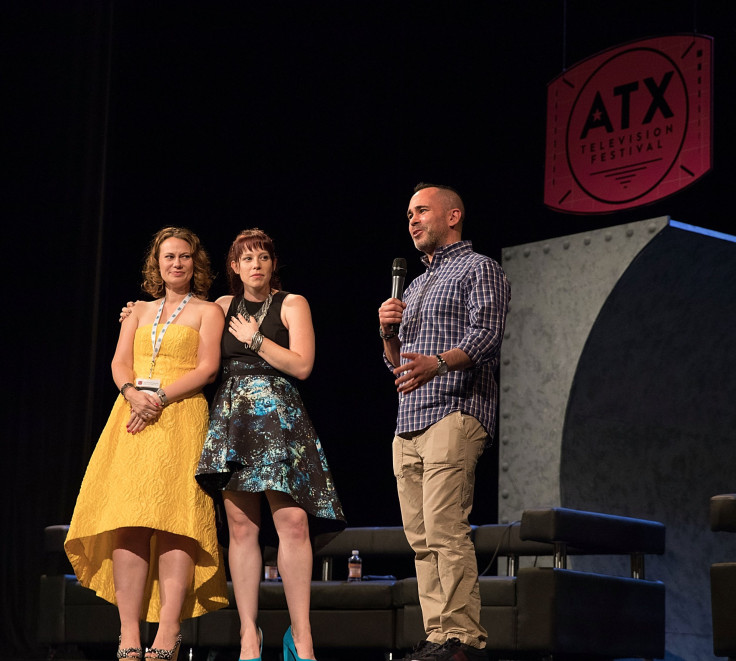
point(449, 251)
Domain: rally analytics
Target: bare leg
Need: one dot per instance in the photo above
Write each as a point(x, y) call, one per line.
point(176, 575)
point(295, 566)
point(130, 560)
point(244, 557)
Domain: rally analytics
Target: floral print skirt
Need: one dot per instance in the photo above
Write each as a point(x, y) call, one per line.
point(260, 438)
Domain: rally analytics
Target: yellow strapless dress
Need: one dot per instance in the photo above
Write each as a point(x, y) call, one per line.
point(147, 480)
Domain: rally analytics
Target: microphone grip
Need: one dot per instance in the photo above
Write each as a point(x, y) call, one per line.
point(397, 286)
point(397, 289)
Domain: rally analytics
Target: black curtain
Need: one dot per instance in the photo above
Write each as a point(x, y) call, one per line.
point(56, 80)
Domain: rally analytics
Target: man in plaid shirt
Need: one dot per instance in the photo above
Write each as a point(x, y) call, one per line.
point(444, 356)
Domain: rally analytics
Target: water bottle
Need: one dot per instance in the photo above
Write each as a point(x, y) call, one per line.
point(355, 567)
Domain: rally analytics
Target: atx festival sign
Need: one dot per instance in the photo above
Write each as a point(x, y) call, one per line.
point(629, 126)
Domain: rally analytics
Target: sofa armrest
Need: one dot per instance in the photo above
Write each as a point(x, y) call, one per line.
point(593, 533)
point(723, 513)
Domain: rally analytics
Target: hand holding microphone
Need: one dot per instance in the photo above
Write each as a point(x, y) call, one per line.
point(398, 274)
point(389, 314)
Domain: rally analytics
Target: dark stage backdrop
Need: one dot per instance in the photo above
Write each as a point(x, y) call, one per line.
point(311, 120)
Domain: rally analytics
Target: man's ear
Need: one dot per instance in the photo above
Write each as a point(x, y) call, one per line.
point(454, 219)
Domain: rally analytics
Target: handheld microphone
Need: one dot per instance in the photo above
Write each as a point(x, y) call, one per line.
point(398, 273)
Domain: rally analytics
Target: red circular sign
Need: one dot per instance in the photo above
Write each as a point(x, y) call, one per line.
point(627, 125)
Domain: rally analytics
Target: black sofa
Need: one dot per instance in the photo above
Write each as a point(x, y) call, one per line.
point(554, 612)
point(533, 612)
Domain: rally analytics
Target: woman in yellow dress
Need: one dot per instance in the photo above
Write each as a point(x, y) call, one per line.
point(143, 532)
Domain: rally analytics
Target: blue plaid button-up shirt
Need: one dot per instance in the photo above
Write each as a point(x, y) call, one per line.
point(460, 301)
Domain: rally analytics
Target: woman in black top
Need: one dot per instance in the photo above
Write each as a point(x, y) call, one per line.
point(261, 441)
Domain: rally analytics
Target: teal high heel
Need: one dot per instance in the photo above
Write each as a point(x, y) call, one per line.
point(290, 649)
point(260, 651)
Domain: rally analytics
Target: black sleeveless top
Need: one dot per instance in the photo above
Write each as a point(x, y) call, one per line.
point(271, 327)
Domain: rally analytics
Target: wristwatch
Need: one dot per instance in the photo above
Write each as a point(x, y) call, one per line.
point(442, 368)
point(124, 387)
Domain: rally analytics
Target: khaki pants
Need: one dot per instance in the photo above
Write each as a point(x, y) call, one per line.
point(435, 477)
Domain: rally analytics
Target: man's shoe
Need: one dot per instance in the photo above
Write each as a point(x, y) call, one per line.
point(422, 651)
point(454, 650)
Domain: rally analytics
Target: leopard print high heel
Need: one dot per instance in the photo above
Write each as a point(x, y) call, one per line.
point(125, 653)
point(166, 655)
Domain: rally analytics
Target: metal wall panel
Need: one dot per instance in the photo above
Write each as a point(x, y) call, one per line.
point(617, 395)
point(557, 289)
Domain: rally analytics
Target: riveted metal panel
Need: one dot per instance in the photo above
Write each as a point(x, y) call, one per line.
point(557, 289)
point(617, 394)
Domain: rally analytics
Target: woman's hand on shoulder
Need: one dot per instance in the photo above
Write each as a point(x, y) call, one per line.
point(122, 361)
point(131, 308)
point(126, 311)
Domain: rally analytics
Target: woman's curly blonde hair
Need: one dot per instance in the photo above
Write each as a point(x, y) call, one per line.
point(202, 277)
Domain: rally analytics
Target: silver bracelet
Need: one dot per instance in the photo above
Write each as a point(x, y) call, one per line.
point(255, 342)
point(162, 396)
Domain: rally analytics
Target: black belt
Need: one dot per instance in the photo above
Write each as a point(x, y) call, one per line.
point(234, 367)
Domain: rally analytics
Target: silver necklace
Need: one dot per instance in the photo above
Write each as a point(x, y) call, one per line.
point(260, 314)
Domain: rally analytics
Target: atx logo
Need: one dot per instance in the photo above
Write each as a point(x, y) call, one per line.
point(598, 115)
point(629, 126)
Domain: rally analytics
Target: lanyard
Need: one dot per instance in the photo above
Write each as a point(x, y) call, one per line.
point(156, 344)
